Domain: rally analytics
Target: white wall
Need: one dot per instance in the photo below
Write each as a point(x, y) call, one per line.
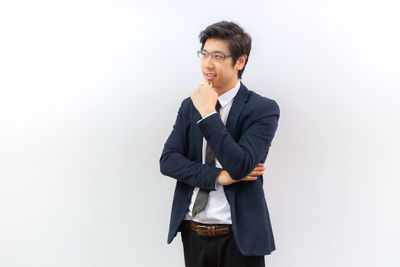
point(89, 91)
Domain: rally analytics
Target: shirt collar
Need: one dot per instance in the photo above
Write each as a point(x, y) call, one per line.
point(226, 97)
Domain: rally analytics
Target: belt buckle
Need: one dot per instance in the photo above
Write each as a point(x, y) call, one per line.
point(200, 226)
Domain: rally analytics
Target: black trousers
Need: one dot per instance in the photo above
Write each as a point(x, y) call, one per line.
point(217, 251)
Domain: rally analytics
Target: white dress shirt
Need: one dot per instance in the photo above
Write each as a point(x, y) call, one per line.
point(217, 210)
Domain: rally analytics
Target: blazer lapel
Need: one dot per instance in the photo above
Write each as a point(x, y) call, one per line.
point(237, 106)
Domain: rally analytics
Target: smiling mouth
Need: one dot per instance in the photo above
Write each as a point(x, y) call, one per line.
point(210, 76)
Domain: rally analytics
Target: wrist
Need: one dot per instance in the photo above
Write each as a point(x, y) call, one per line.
point(219, 176)
point(207, 112)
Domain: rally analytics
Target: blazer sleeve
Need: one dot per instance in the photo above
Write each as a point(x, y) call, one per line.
point(240, 158)
point(175, 164)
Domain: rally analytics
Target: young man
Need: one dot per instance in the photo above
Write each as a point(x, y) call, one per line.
point(216, 152)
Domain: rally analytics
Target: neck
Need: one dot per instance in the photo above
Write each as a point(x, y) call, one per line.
point(223, 90)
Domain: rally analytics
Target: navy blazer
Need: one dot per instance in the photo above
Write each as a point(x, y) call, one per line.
point(239, 147)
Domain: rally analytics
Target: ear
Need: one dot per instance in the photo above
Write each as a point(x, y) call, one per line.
point(241, 61)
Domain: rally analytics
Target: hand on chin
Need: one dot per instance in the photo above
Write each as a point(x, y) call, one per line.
point(204, 98)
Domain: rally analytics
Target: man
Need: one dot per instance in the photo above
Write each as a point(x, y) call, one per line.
point(216, 152)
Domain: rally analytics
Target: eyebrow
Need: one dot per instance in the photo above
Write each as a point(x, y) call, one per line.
point(216, 51)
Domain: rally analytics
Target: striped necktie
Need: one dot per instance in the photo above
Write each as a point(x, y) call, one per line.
point(202, 196)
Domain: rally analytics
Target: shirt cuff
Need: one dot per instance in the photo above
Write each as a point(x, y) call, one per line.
point(206, 116)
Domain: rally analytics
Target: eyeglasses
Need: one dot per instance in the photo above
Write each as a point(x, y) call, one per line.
point(215, 56)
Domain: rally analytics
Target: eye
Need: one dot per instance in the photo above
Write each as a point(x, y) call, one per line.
point(218, 56)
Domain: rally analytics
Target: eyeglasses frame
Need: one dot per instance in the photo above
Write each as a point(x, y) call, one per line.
point(199, 54)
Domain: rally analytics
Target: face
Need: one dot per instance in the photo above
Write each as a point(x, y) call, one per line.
point(222, 75)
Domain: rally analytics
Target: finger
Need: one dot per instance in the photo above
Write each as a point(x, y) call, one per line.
point(249, 178)
point(255, 174)
point(258, 170)
point(205, 82)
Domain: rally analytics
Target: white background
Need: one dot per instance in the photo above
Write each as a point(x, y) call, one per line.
point(89, 91)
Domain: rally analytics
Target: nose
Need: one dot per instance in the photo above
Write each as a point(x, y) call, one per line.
point(209, 63)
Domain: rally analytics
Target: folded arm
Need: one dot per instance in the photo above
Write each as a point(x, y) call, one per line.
point(240, 158)
point(174, 164)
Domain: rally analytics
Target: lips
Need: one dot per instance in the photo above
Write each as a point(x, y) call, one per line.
point(210, 76)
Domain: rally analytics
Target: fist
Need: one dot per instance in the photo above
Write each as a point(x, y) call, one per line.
point(204, 98)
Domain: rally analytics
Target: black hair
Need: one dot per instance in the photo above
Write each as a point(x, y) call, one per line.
point(239, 42)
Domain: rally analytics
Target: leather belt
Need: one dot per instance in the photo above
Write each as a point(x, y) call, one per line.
point(208, 230)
